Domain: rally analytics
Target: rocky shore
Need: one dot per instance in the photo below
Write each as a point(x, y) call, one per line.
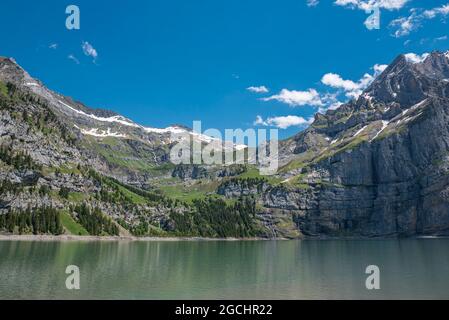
point(6, 237)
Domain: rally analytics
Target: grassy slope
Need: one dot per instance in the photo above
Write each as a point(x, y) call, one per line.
point(71, 225)
point(3, 89)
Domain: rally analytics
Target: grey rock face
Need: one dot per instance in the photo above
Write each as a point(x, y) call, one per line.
point(236, 188)
point(186, 172)
point(396, 184)
point(376, 166)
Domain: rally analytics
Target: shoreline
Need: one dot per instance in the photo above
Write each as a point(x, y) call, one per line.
point(74, 238)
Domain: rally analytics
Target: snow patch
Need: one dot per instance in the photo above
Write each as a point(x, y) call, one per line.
point(360, 131)
point(419, 104)
point(407, 119)
point(101, 133)
point(384, 125)
point(287, 180)
point(163, 131)
point(127, 122)
point(32, 84)
point(367, 97)
point(117, 119)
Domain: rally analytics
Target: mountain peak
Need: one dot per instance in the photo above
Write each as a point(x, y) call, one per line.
point(11, 71)
point(410, 78)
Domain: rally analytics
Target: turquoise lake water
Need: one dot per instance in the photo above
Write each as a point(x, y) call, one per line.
point(330, 269)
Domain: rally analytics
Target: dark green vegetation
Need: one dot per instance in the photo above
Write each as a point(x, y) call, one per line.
point(376, 166)
point(95, 222)
point(45, 220)
point(168, 208)
point(19, 160)
point(71, 225)
point(215, 218)
point(44, 121)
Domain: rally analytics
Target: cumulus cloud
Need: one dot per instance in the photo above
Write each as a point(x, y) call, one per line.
point(73, 58)
point(259, 121)
point(89, 50)
point(340, 91)
point(259, 89)
point(335, 105)
point(442, 38)
point(405, 25)
point(372, 6)
point(295, 98)
point(438, 11)
point(352, 89)
point(367, 5)
point(312, 3)
point(416, 58)
point(330, 100)
point(282, 122)
point(379, 68)
point(336, 81)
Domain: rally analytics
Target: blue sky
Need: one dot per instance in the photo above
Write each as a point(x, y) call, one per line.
point(165, 62)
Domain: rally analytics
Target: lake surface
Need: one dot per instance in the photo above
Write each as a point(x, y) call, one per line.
point(331, 269)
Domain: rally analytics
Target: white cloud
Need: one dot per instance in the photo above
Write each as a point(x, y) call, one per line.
point(406, 25)
point(443, 38)
point(312, 3)
point(73, 58)
point(370, 4)
point(89, 50)
point(352, 89)
point(335, 81)
point(415, 58)
point(259, 121)
point(282, 122)
point(53, 46)
point(297, 98)
point(379, 68)
point(260, 89)
point(330, 101)
point(432, 13)
point(342, 89)
point(335, 105)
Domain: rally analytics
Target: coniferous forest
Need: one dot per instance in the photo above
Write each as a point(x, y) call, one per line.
point(95, 222)
point(45, 220)
point(215, 218)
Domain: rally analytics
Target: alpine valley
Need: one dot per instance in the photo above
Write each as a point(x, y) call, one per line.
point(377, 166)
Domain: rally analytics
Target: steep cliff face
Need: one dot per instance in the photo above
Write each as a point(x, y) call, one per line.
point(98, 168)
point(385, 168)
point(376, 166)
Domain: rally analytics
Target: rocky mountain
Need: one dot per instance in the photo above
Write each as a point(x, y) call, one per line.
point(376, 166)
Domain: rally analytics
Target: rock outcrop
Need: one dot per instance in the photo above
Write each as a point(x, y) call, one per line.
point(376, 166)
